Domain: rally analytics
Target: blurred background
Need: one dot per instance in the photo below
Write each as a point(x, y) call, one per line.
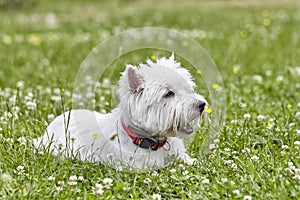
point(45, 41)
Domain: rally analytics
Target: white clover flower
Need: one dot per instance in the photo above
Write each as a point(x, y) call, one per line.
point(297, 115)
point(47, 90)
point(59, 188)
point(234, 166)
point(110, 156)
point(9, 140)
point(156, 197)
point(297, 70)
point(147, 181)
point(20, 169)
point(247, 197)
point(296, 177)
point(31, 105)
point(298, 104)
point(261, 117)
point(98, 189)
point(51, 178)
point(186, 177)
point(173, 171)
point(80, 178)
point(3, 120)
point(257, 78)
point(284, 146)
point(20, 84)
point(212, 155)
point(22, 140)
point(224, 180)
point(291, 125)
point(106, 82)
point(61, 183)
point(213, 146)
point(184, 173)
point(290, 164)
point(56, 91)
point(16, 108)
point(297, 144)
point(29, 96)
point(107, 183)
point(289, 170)
point(154, 173)
point(68, 93)
point(72, 183)
point(255, 158)
point(51, 21)
point(181, 166)
point(7, 115)
point(56, 98)
point(93, 101)
point(103, 111)
point(216, 141)
point(247, 116)
point(227, 162)
point(40, 152)
point(298, 132)
point(73, 178)
point(279, 78)
point(243, 105)
point(1, 129)
point(6, 178)
point(50, 117)
point(233, 121)
point(236, 192)
point(204, 180)
point(102, 98)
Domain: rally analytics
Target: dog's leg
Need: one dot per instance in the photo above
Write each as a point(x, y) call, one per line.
point(178, 149)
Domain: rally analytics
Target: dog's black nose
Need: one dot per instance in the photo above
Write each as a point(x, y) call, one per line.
point(200, 105)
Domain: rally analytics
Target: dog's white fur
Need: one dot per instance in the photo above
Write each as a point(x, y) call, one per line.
point(146, 109)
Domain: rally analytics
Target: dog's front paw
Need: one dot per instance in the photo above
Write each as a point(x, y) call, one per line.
point(186, 159)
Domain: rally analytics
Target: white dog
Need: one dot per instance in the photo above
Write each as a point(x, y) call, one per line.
point(158, 106)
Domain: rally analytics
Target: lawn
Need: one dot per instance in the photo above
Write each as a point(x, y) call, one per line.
point(256, 47)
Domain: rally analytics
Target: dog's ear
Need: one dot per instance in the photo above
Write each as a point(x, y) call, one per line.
point(134, 79)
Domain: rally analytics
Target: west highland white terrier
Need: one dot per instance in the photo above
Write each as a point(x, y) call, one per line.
point(158, 106)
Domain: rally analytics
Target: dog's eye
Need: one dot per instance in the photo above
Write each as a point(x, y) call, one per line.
point(169, 94)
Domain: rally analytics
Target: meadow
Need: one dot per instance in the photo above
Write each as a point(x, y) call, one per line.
point(256, 47)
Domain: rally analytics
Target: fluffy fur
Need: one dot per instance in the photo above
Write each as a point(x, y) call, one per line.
point(157, 100)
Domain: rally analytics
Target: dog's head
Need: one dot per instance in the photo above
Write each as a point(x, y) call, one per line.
point(159, 98)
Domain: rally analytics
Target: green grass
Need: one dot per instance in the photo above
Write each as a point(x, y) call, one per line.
point(259, 158)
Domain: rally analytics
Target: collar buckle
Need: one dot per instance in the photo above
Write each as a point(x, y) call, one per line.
point(147, 143)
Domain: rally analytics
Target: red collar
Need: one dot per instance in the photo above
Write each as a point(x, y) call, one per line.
point(145, 143)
